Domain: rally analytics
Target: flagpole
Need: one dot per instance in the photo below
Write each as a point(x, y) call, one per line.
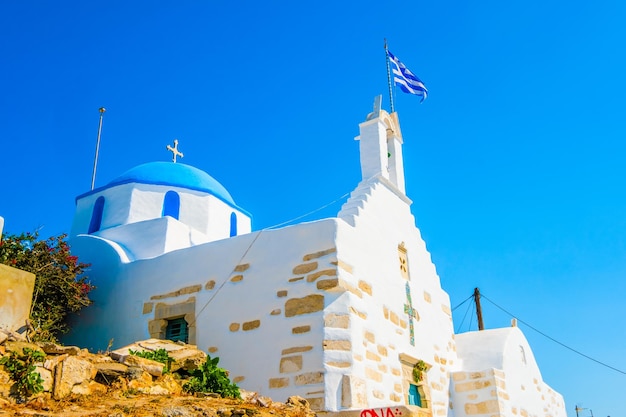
point(388, 76)
point(95, 159)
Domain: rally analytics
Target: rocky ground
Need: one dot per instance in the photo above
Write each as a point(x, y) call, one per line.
point(77, 383)
point(122, 404)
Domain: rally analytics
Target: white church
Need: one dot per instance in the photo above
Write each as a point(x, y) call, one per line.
point(347, 312)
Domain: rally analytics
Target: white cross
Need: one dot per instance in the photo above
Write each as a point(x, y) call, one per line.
point(174, 150)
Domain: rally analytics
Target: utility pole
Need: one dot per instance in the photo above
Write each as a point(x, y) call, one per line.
point(479, 311)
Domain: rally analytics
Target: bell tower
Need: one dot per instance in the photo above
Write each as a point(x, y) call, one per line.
point(381, 146)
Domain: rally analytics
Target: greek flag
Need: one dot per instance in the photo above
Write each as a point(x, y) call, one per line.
point(408, 82)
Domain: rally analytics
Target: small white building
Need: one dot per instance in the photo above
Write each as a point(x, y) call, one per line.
point(338, 311)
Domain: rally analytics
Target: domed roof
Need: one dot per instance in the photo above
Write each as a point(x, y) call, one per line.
point(176, 175)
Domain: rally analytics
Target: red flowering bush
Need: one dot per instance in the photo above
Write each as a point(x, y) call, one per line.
point(60, 286)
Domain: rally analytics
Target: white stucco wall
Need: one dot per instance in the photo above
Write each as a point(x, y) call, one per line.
point(499, 371)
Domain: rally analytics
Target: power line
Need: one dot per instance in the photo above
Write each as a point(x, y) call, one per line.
point(553, 339)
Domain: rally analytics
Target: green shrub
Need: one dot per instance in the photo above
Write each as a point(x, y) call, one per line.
point(60, 286)
point(159, 355)
point(211, 378)
point(21, 368)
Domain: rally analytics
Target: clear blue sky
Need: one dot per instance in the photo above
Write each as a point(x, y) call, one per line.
point(515, 162)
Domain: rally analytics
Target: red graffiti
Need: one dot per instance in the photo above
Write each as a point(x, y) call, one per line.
point(383, 412)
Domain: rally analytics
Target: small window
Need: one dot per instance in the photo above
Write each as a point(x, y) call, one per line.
point(177, 330)
point(523, 354)
point(404, 261)
point(415, 398)
point(171, 204)
point(233, 224)
point(96, 216)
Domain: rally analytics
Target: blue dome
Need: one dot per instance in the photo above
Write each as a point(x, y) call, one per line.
point(176, 175)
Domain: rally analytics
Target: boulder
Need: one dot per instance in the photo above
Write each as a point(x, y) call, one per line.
point(72, 371)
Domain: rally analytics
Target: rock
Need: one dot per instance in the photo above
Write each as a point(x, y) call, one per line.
point(18, 347)
point(73, 371)
point(51, 362)
point(152, 367)
point(111, 369)
point(263, 401)
point(54, 349)
point(298, 401)
point(46, 376)
point(143, 383)
point(176, 412)
point(170, 384)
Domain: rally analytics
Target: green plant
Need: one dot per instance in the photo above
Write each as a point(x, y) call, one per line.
point(60, 286)
point(21, 368)
point(159, 355)
point(211, 378)
point(418, 370)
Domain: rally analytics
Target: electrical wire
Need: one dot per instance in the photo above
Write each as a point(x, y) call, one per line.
point(309, 213)
point(469, 306)
point(553, 339)
point(463, 302)
point(252, 243)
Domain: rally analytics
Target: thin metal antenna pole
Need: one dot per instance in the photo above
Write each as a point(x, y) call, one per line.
point(388, 76)
point(95, 159)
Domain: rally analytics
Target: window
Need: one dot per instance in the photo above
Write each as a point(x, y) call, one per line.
point(404, 261)
point(523, 354)
point(233, 224)
point(177, 329)
point(96, 216)
point(171, 204)
point(415, 397)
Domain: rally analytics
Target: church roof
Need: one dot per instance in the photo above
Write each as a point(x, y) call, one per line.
point(175, 175)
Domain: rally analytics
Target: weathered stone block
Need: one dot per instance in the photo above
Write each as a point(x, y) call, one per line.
point(296, 349)
point(152, 367)
point(369, 336)
point(309, 378)
point(372, 356)
point(234, 327)
point(373, 374)
point(484, 407)
point(290, 364)
point(301, 329)
point(278, 382)
point(318, 254)
point(16, 293)
point(309, 304)
point(305, 268)
point(338, 321)
point(282, 293)
point(353, 392)
point(73, 371)
point(365, 287)
point(339, 364)
point(236, 278)
point(276, 312)
point(242, 267)
point(209, 285)
point(147, 308)
point(337, 345)
point(251, 325)
point(326, 272)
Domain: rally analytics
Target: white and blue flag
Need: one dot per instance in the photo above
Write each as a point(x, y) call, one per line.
point(408, 82)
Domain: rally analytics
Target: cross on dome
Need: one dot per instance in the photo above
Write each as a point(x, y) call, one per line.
point(174, 150)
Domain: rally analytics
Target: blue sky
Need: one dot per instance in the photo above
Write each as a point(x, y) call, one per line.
point(515, 162)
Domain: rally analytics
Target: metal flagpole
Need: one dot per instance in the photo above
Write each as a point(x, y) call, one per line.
point(95, 159)
point(388, 75)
